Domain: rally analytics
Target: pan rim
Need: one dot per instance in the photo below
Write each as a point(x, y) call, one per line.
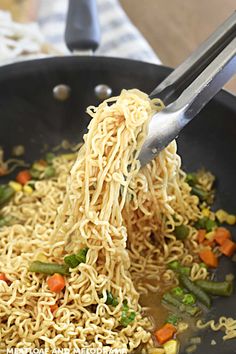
point(19, 68)
point(25, 64)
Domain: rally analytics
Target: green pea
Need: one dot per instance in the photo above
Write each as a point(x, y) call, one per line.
point(49, 157)
point(181, 232)
point(49, 172)
point(189, 299)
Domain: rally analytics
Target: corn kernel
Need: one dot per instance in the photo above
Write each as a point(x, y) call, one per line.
point(16, 186)
point(156, 351)
point(221, 215)
point(171, 347)
point(212, 215)
point(41, 257)
point(182, 326)
point(69, 156)
point(210, 235)
point(27, 189)
point(231, 219)
point(206, 212)
point(38, 166)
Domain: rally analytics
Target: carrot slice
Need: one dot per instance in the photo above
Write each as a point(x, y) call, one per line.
point(23, 177)
point(208, 242)
point(228, 248)
point(56, 283)
point(208, 257)
point(222, 234)
point(165, 333)
point(3, 171)
point(4, 278)
point(53, 308)
point(42, 162)
point(201, 235)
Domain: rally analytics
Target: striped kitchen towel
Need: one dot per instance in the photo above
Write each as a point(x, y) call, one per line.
point(119, 37)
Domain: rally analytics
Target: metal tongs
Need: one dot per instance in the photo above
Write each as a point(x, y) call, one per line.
point(195, 82)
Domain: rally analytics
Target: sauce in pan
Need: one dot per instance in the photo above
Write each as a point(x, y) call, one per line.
point(158, 313)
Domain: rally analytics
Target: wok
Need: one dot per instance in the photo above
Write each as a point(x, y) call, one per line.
point(30, 115)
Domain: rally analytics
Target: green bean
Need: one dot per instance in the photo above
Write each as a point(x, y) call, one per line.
point(181, 232)
point(6, 193)
point(191, 179)
point(177, 267)
point(184, 270)
point(221, 288)
point(187, 299)
point(192, 310)
point(171, 300)
point(49, 157)
point(200, 193)
point(49, 268)
point(195, 290)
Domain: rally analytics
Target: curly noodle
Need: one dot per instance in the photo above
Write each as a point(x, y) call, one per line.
point(124, 215)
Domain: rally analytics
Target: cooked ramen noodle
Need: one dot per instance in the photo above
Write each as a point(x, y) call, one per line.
point(121, 217)
point(224, 323)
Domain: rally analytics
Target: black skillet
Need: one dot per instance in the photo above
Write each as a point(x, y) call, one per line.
point(30, 115)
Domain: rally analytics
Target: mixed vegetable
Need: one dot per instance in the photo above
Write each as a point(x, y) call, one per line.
point(56, 281)
point(57, 271)
point(49, 268)
point(188, 299)
point(191, 298)
point(25, 181)
point(4, 278)
point(165, 333)
point(212, 236)
point(74, 260)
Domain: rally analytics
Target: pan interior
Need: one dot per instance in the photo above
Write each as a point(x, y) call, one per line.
point(30, 115)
